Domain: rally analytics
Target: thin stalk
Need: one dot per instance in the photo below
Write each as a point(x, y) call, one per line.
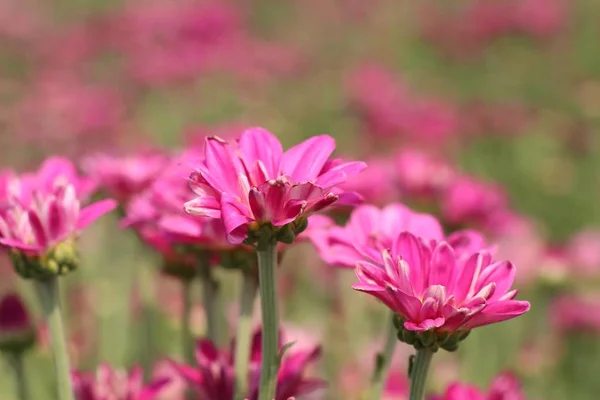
point(384, 359)
point(16, 363)
point(210, 298)
point(267, 263)
point(418, 376)
point(187, 340)
point(49, 297)
point(244, 333)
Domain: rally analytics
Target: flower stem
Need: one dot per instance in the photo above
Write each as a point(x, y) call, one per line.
point(49, 296)
point(418, 375)
point(244, 333)
point(210, 299)
point(267, 263)
point(383, 361)
point(187, 341)
point(16, 362)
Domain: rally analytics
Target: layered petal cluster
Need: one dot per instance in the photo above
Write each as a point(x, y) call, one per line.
point(38, 224)
point(504, 387)
point(115, 384)
point(253, 182)
point(368, 231)
point(214, 378)
point(435, 286)
point(123, 177)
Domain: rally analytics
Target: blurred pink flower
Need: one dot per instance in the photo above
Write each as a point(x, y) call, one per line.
point(123, 177)
point(576, 313)
point(420, 175)
point(115, 384)
point(213, 377)
point(373, 184)
point(468, 201)
point(38, 223)
point(389, 109)
point(368, 231)
point(583, 252)
point(504, 387)
point(17, 332)
point(254, 182)
point(430, 286)
point(175, 386)
point(541, 18)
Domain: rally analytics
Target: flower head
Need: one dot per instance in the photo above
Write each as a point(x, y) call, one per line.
point(113, 384)
point(17, 332)
point(40, 223)
point(123, 177)
point(263, 193)
point(440, 291)
point(504, 387)
point(571, 313)
point(214, 379)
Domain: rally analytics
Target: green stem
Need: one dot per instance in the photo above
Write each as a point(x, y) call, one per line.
point(210, 299)
point(244, 333)
point(418, 375)
point(267, 263)
point(49, 296)
point(16, 362)
point(187, 340)
point(383, 361)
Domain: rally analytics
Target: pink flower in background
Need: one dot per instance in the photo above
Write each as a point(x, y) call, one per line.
point(213, 378)
point(123, 177)
point(254, 182)
point(470, 201)
point(419, 174)
point(17, 332)
point(369, 231)
point(575, 313)
point(37, 225)
point(504, 387)
point(541, 18)
point(480, 118)
point(115, 384)
point(583, 252)
point(373, 184)
point(430, 286)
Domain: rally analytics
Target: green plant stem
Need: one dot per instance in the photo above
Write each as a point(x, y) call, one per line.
point(210, 299)
point(244, 333)
point(49, 297)
point(418, 375)
point(16, 363)
point(267, 263)
point(187, 340)
point(383, 361)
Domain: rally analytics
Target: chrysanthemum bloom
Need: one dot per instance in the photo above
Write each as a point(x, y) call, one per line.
point(17, 332)
point(368, 231)
point(572, 313)
point(583, 251)
point(213, 378)
point(262, 193)
point(40, 228)
point(504, 387)
point(420, 175)
point(438, 292)
point(123, 177)
point(114, 384)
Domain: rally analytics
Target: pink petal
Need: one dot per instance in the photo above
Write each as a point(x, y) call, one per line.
point(442, 265)
point(425, 325)
point(221, 171)
point(235, 219)
point(339, 174)
point(94, 211)
point(499, 311)
point(258, 144)
point(38, 229)
point(207, 206)
point(502, 273)
point(410, 249)
point(305, 161)
point(180, 225)
point(466, 281)
point(15, 244)
point(349, 199)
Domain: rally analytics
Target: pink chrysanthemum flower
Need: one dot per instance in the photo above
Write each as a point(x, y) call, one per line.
point(576, 313)
point(214, 379)
point(17, 332)
point(253, 184)
point(123, 177)
point(113, 384)
point(440, 291)
point(504, 387)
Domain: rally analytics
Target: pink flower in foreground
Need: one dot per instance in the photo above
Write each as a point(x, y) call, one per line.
point(112, 384)
point(504, 387)
point(123, 177)
point(369, 231)
point(432, 287)
point(253, 184)
point(50, 219)
point(213, 378)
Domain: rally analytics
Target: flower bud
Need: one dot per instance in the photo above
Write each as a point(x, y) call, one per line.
point(431, 339)
point(60, 260)
point(17, 333)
